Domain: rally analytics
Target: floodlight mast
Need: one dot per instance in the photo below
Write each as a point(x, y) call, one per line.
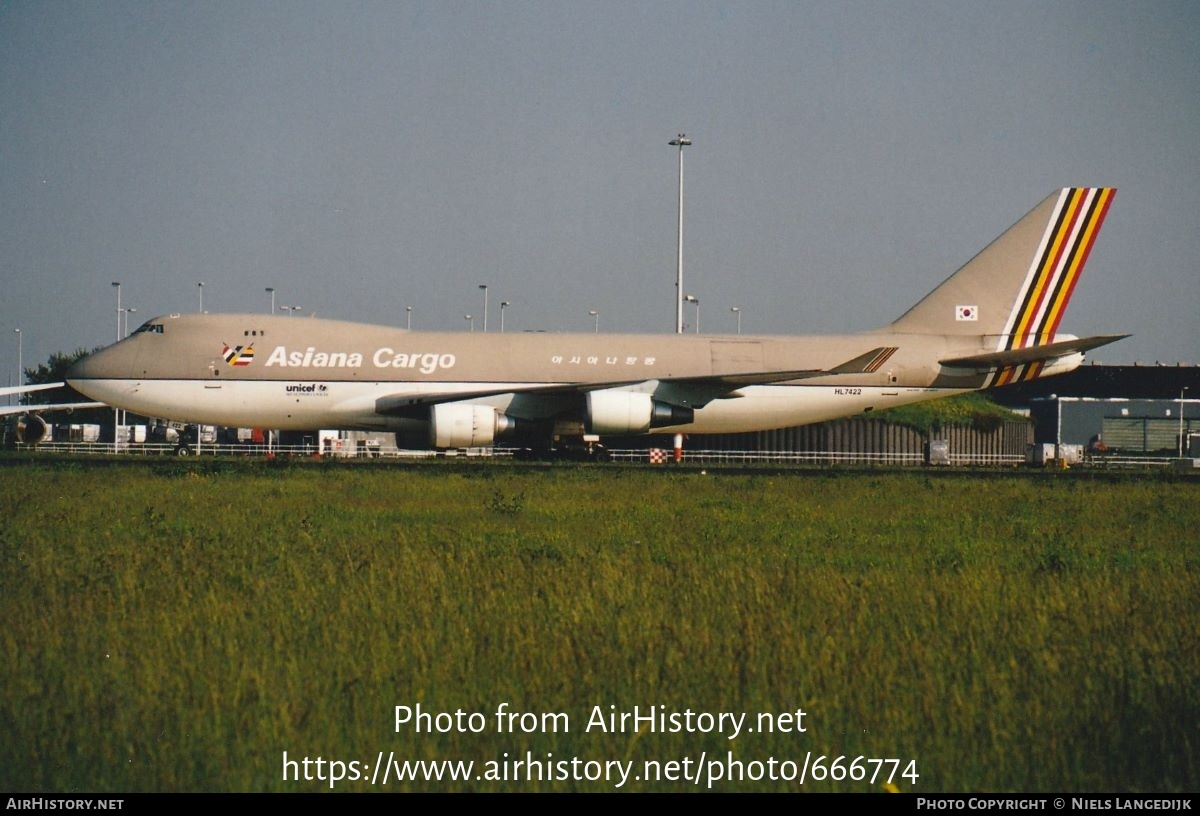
point(681, 141)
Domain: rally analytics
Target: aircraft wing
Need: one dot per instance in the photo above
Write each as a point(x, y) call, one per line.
point(1032, 354)
point(9, 410)
point(866, 363)
point(413, 405)
point(35, 408)
point(25, 389)
point(694, 391)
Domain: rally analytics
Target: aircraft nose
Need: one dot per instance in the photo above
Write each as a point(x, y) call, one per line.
point(77, 370)
point(106, 375)
point(85, 369)
point(111, 363)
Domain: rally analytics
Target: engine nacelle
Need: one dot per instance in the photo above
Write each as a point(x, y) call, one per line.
point(412, 434)
point(631, 412)
point(32, 429)
point(466, 426)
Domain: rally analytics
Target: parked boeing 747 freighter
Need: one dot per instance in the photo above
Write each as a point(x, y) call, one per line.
point(994, 321)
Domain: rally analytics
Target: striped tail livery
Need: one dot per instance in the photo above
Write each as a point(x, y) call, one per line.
point(1015, 292)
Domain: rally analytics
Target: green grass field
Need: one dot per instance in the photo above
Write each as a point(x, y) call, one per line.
point(179, 626)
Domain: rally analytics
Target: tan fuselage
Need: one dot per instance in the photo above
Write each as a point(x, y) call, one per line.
point(307, 373)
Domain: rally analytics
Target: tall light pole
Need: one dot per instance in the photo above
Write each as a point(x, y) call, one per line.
point(483, 286)
point(271, 291)
point(21, 362)
point(696, 300)
point(1182, 391)
point(117, 286)
point(408, 317)
point(504, 304)
point(200, 286)
point(291, 310)
point(471, 320)
point(117, 411)
point(681, 142)
point(595, 320)
point(737, 310)
point(125, 329)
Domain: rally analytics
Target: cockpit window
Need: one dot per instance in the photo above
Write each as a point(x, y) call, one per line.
point(156, 328)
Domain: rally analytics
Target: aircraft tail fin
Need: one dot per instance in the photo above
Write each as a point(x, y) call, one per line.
point(1018, 287)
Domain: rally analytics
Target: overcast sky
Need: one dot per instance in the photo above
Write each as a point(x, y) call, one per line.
point(365, 157)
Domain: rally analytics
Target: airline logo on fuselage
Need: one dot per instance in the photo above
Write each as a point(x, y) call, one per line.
point(426, 362)
point(237, 356)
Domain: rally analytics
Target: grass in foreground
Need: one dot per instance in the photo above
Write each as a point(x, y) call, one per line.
point(179, 628)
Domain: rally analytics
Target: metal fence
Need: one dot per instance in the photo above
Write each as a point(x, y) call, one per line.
point(213, 449)
point(1105, 461)
point(821, 458)
point(739, 457)
point(999, 460)
point(630, 455)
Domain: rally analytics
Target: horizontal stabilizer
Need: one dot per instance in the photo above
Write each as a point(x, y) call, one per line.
point(1033, 354)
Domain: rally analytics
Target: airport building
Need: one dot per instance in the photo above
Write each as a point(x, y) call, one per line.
point(1137, 409)
point(1117, 425)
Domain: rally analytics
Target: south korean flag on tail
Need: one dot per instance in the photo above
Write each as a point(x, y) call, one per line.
point(970, 313)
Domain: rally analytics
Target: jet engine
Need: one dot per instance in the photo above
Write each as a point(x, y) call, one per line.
point(412, 434)
point(631, 412)
point(466, 426)
point(32, 429)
